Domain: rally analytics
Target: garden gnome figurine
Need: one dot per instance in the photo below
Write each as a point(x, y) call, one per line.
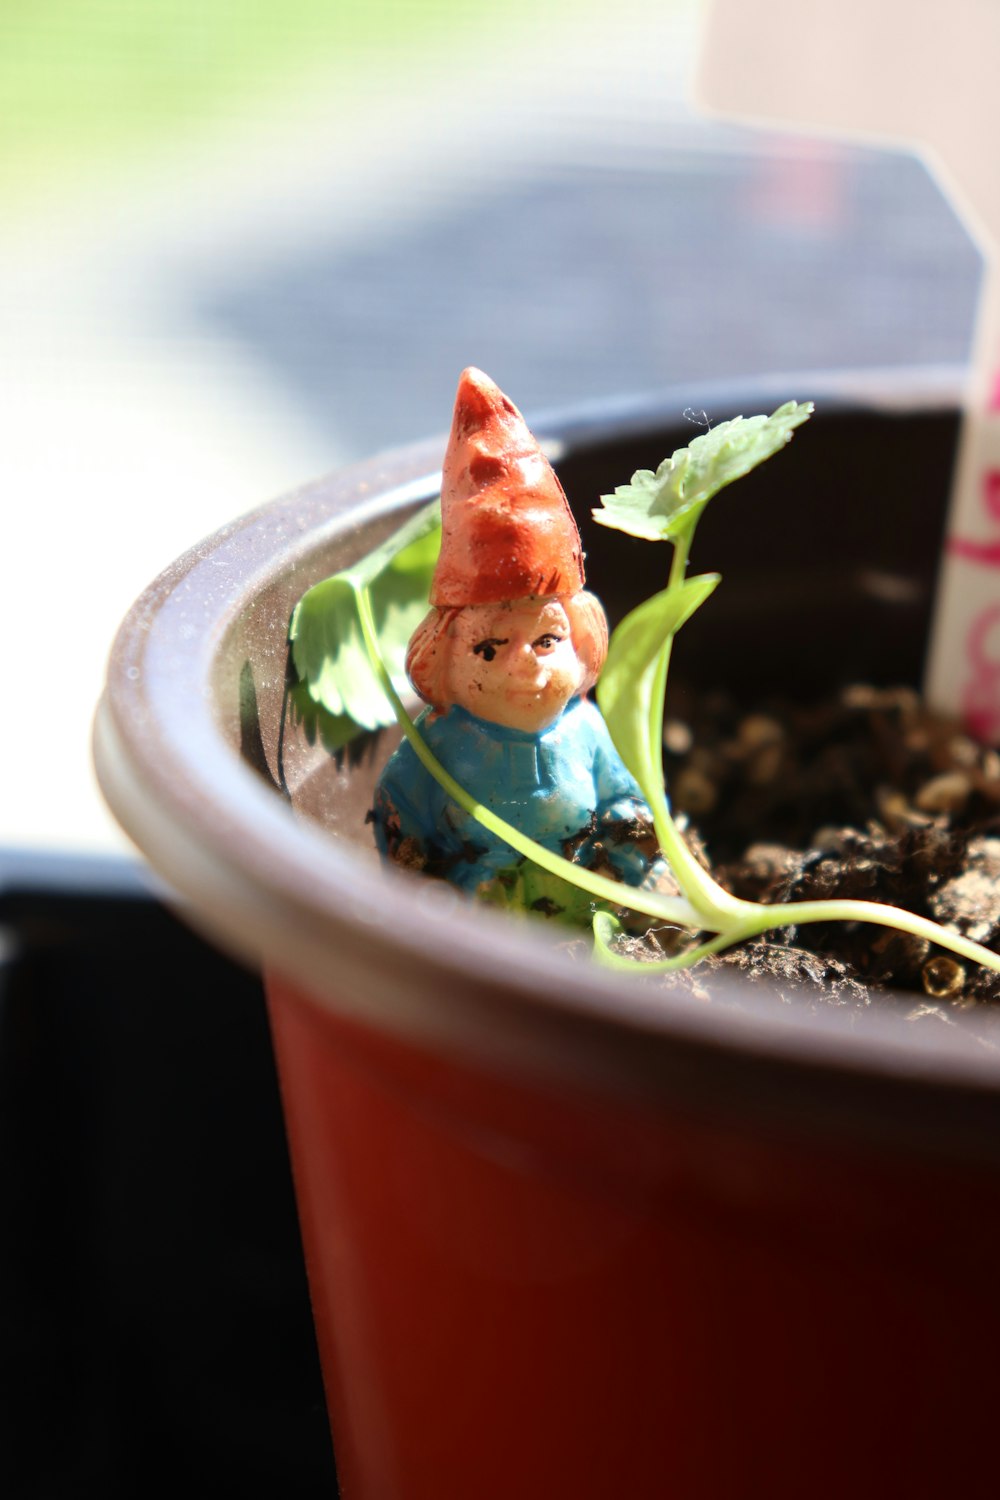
point(505, 657)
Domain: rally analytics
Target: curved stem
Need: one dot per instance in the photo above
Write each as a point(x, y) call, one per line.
point(759, 919)
point(609, 959)
point(799, 913)
point(673, 909)
point(715, 906)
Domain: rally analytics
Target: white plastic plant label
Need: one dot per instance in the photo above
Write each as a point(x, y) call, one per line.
point(925, 75)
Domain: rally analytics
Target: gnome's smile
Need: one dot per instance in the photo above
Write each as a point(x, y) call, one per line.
point(514, 663)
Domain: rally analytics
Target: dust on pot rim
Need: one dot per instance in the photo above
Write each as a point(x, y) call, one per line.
point(180, 750)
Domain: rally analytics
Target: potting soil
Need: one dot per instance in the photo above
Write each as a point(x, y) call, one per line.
point(864, 795)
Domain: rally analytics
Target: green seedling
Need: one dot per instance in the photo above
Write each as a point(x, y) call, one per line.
point(349, 635)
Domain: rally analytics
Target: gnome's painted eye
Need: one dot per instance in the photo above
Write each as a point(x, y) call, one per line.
point(546, 643)
point(488, 649)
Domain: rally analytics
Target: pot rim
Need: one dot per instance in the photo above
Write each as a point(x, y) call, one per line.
point(278, 890)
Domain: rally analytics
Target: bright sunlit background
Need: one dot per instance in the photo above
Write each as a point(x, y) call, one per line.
point(243, 241)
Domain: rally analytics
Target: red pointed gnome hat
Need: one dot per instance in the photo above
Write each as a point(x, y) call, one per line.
point(507, 530)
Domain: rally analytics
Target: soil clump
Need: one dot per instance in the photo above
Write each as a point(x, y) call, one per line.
point(866, 795)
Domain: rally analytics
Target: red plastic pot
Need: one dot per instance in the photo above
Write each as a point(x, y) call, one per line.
point(567, 1234)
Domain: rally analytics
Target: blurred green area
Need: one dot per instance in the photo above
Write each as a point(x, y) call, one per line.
point(85, 82)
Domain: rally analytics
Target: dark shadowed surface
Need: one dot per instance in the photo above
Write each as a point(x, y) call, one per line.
point(157, 1336)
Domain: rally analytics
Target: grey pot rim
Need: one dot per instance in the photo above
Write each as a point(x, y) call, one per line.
point(280, 892)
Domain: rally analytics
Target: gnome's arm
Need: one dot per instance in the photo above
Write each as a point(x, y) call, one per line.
point(400, 814)
point(623, 822)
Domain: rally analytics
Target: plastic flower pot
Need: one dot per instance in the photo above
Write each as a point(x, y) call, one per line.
point(566, 1235)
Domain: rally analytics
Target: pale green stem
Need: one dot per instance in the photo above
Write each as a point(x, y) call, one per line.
point(762, 919)
point(673, 909)
point(716, 907)
point(798, 913)
point(605, 955)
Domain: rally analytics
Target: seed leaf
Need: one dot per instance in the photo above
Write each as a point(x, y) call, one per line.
point(630, 690)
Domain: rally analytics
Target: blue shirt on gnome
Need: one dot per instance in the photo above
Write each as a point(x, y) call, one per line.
point(561, 784)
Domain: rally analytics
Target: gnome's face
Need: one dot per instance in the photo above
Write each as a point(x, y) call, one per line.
point(514, 663)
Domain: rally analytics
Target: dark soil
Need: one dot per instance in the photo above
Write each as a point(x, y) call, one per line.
point(868, 795)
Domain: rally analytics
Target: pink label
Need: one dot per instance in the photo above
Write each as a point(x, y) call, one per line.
point(980, 695)
point(982, 551)
point(985, 552)
point(991, 493)
point(981, 690)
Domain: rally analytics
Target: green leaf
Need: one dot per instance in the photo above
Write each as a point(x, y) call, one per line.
point(662, 506)
point(630, 689)
point(401, 552)
point(328, 649)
